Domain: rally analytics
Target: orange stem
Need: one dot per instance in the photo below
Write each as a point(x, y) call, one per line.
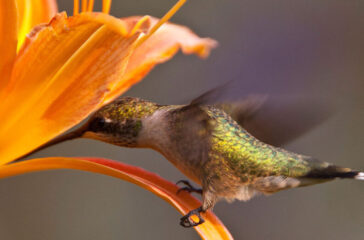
point(164, 19)
point(84, 5)
point(106, 4)
point(90, 6)
point(76, 7)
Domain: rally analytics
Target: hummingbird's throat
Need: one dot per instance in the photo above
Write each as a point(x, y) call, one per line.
point(120, 134)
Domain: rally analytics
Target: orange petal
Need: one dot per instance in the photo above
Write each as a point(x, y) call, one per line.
point(8, 41)
point(60, 76)
point(32, 13)
point(160, 47)
point(183, 202)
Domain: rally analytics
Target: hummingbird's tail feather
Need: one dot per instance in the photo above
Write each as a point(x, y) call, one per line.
point(359, 176)
point(332, 171)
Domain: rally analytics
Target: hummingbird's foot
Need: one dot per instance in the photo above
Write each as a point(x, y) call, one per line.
point(189, 188)
point(187, 222)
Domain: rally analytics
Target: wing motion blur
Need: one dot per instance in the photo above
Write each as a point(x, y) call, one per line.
point(275, 119)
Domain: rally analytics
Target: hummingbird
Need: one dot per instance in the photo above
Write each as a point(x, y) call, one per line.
point(231, 149)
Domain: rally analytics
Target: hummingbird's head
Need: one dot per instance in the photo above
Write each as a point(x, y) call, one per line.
point(120, 122)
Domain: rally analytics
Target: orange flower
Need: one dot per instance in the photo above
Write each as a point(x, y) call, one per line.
point(68, 67)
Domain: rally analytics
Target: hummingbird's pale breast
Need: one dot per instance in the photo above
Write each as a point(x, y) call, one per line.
point(158, 133)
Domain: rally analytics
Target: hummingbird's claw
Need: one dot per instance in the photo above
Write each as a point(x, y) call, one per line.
point(189, 188)
point(187, 222)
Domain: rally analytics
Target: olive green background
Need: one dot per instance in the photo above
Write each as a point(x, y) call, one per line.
point(302, 44)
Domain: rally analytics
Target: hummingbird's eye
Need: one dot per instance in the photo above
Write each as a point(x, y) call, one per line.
point(97, 124)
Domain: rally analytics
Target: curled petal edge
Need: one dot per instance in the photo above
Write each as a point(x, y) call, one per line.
point(183, 202)
point(159, 48)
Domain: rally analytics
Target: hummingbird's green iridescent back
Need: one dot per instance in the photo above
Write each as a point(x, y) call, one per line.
point(249, 157)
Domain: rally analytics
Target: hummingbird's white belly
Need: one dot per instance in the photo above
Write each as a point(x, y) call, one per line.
point(156, 134)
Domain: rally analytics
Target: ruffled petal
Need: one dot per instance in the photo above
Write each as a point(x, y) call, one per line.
point(159, 48)
point(60, 76)
point(183, 202)
point(32, 13)
point(8, 42)
point(72, 66)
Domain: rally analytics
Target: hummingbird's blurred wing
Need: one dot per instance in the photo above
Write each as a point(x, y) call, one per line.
point(275, 120)
point(190, 134)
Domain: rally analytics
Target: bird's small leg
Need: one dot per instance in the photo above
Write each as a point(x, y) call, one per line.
point(186, 220)
point(209, 200)
point(188, 188)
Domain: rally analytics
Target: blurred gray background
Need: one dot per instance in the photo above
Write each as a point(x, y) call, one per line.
point(313, 46)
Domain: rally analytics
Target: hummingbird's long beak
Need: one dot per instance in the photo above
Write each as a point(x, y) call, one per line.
point(65, 137)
